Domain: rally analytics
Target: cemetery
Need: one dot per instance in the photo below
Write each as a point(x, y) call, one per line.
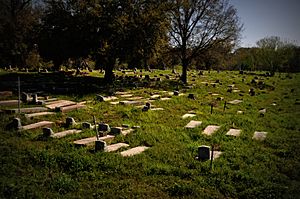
point(193, 144)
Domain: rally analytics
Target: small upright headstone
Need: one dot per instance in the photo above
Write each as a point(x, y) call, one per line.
point(100, 145)
point(203, 152)
point(86, 125)
point(16, 123)
point(34, 99)
point(251, 92)
point(47, 132)
point(24, 97)
point(70, 122)
point(100, 98)
point(176, 93)
point(116, 130)
point(191, 96)
point(104, 127)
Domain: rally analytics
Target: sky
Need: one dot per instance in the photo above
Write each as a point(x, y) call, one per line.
point(264, 18)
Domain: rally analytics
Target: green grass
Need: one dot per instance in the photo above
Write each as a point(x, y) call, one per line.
point(35, 167)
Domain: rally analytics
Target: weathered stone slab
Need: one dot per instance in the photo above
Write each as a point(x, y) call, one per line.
point(65, 133)
point(6, 93)
point(259, 135)
point(134, 98)
point(91, 140)
point(115, 147)
point(28, 110)
point(109, 98)
point(211, 129)
point(9, 102)
point(154, 96)
point(114, 103)
point(131, 102)
point(38, 114)
point(234, 132)
point(71, 108)
point(157, 109)
point(126, 95)
point(60, 103)
point(188, 115)
point(193, 124)
point(235, 102)
point(51, 100)
point(127, 131)
point(165, 98)
point(36, 125)
point(134, 151)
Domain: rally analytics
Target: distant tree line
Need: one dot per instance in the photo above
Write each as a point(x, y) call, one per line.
point(199, 34)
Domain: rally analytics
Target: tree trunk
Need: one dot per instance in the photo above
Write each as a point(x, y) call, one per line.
point(184, 71)
point(109, 75)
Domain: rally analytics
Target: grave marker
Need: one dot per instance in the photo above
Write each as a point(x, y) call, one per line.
point(234, 132)
point(260, 136)
point(210, 129)
point(36, 125)
point(115, 147)
point(188, 115)
point(193, 124)
point(134, 151)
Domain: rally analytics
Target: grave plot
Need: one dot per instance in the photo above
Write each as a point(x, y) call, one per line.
point(234, 132)
point(193, 124)
point(65, 133)
point(120, 130)
point(235, 102)
point(122, 93)
point(131, 102)
point(187, 115)
point(134, 98)
point(9, 102)
point(106, 99)
point(27, 110)
point(211, 129)
point(115, 147)
point(260, 136)
point(165, 98)
point(60, 103)
point(134, 151)
point(204, 153)
point(37, 125)
point(65, 109)
point(38, 114)
point(91, 140)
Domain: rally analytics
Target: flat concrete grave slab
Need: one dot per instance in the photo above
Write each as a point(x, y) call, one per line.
point(6, 93)
point(134, 151)
point(65, 133)
point(131, 102)
point(126, 95)
point(259, 135)
point(235, 102)
point(127, 131)
point(91, 140)
point(234, 132)
point(115, 147)
point(71, 108)
point(217, 154)
point(188, 115)
point(51, 101)
point(165, 98)
point(236, 91)
point(154, 96)
point(38, 114)
point(114, 103)
point(193, 124)
point(109, 98)
point(157, 109)
point(36, 125)
point(60, 103)
point(211, 129)
point(215, 94)
point(134, 98)
point(28, 110)
point(9, 102)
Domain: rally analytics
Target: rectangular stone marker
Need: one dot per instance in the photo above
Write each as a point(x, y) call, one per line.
point(115, 147)
point(109, 98)
point(235, 102)
point(157, 109)
point(6, 93)
point(165, 98)
point(211, 129)
point(9, 102)
point(51, 101)
point(259, 136)
point(203, 152)
point(38, 114)
point(91, 140)
point(134, 98)
point(188, 115)
point(131, 102)
point(28, 110)
point(193, 124)
point(60, 103)
point(234, 132)
point(154, 96)
point(71, 108)
point(126, 95)
point(114, 103)
point(36, 125)
point(65, 133)
point(134, 151)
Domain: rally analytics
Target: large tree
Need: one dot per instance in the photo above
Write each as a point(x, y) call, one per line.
point(197, 25)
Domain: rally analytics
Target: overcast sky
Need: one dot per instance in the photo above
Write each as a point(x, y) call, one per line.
point(263, 18)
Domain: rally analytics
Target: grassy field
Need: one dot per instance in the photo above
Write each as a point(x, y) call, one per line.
point(35, 167)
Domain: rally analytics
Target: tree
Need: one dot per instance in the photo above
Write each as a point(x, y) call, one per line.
point(17, 19)
point(197, 25)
